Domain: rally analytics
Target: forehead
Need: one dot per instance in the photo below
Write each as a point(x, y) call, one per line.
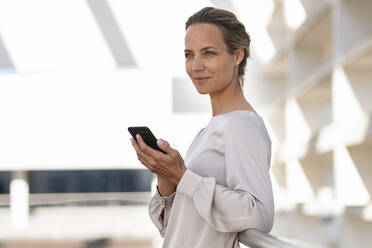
point(203, 34)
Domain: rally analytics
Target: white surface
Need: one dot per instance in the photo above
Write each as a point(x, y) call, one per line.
point(19, 202)
point(79, 120)
point(69, 223)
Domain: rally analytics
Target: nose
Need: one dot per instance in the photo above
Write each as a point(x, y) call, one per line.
point(197, 65)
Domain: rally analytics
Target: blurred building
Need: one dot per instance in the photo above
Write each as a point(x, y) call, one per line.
point(74, 74)
point(317, 90)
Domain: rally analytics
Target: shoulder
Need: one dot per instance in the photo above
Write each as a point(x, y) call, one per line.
point(245, 124)
point(243, 121)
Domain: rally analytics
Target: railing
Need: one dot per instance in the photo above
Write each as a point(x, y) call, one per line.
point(82, 199)
point(254, 238)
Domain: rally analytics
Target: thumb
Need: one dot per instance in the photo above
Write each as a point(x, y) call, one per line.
point(164, 145)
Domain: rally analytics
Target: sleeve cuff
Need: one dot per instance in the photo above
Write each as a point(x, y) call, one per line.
point(165, 200)
point(188, 183)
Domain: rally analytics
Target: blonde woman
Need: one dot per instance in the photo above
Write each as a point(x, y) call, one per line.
point(223, 186)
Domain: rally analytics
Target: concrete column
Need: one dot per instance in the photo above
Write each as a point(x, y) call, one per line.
point(19, 195)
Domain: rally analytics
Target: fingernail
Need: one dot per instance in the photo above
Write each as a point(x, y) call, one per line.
point(161, 142)
point(137, 136)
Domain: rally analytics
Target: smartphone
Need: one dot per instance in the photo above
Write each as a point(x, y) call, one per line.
point(147, 136)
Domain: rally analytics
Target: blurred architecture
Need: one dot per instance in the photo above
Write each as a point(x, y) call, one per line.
point(319, 108)
point(74, 74)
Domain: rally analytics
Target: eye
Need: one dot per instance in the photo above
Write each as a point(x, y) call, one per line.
point(210, 52)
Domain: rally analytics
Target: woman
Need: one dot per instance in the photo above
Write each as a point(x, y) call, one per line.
point(223, 187)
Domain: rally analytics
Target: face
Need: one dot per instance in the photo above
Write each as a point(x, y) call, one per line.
point(208, 63)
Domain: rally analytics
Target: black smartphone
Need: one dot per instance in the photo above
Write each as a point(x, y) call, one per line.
point(147, 136)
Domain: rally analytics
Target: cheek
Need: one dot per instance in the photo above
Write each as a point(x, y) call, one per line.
point(188, 68)
point(222, 72)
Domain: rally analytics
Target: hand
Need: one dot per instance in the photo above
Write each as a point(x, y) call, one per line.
point(170, 165)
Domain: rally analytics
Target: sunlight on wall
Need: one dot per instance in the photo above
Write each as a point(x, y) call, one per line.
point(65, 37)
point(255, 17)
point(350, 188)
point(299, 188)
point(294, 13)
point(297, 128)
point(79, 120)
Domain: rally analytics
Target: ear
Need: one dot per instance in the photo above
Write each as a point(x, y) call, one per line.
point(239, 56)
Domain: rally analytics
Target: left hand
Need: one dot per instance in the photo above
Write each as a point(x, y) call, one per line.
point(170, 165)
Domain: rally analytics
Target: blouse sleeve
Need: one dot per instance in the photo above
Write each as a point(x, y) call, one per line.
point(157, 204)
point(247, 201)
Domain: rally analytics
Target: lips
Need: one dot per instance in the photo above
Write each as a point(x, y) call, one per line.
point(201, 79)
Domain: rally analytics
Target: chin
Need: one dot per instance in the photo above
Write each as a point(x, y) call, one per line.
point(202, 91)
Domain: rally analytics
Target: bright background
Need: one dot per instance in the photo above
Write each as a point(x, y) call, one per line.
point(74, 74)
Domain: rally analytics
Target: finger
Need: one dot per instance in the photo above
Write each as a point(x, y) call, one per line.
point(150, 163)
point(147, 165)
point(142, 157)
point(140, 153)
point(164, 145)
point(156, 155)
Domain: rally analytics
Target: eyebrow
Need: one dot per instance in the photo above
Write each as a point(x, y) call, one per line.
point(205, 48)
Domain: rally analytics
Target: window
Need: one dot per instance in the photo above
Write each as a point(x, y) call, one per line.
point(86, 181)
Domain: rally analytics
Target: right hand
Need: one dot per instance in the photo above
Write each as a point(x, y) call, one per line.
point(163, 181)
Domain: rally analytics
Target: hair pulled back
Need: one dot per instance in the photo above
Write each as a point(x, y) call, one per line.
point(233, 32)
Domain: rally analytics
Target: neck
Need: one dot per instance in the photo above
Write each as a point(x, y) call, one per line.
point(228, 99)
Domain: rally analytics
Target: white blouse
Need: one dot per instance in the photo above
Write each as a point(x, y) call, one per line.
point(225, 189)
